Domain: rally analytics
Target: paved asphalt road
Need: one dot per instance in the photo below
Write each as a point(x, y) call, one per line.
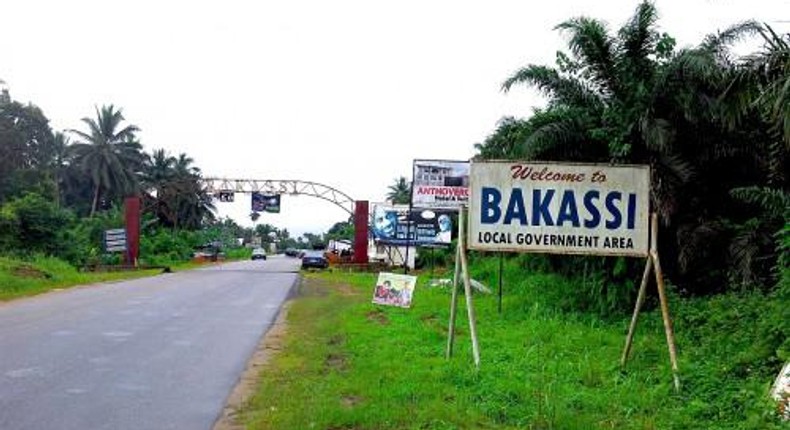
point(155, 353)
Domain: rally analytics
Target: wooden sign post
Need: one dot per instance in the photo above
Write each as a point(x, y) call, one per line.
point(653, 262)
point(560, 208)
point(462, 267)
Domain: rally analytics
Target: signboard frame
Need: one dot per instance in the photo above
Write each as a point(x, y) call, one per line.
point(578, 188)
point(649, 252)
point(451, 197)
point(401, 225)
point(394, 289)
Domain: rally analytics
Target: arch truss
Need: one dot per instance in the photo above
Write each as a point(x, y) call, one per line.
point(275, 186)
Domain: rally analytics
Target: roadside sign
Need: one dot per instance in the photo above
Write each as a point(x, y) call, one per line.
point(440, 184)
point(559, 208)
point(226, 196)
point(115, 240)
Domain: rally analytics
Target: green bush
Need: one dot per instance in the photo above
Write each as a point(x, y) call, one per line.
point(32, 224)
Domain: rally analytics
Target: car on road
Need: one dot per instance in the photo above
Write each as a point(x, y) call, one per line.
point(258, 254)
point(211, 251)
point(314, 259)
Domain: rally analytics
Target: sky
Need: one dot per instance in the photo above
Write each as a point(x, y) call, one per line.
point(346, 93)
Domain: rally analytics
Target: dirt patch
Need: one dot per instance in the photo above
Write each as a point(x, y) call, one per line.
point(430, 318)
point(335, 362)
point(245, 388)
point(378, 316)
point(346, 290)
point(26, 271)
point(349, 402)
point(337, 339)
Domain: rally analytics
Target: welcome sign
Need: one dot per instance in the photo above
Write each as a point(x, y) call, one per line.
point(559, 208)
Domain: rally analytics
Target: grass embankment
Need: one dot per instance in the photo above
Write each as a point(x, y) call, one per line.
point(36, 275)
point(348, 364)
point(41, 274)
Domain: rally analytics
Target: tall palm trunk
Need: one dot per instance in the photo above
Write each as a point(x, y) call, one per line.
point(95, 200)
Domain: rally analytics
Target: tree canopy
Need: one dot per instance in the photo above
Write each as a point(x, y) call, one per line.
point(712, 126)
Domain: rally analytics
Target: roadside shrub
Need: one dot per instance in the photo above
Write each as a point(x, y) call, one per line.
point(165, 246)
point(33, 224)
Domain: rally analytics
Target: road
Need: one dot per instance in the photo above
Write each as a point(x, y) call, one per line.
point(154, 353)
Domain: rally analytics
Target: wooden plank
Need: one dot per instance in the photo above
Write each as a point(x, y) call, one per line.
point(640, 300)
point(468, 289)
point(662, 296)
point(453, 304)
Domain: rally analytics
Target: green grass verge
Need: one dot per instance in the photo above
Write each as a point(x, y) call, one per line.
point(41, 274)
point(349, 364)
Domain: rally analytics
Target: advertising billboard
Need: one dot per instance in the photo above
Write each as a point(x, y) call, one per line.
point(394, 289)
point(395, 225)
point(440, 184)
point(559, 208)
point(265, 202)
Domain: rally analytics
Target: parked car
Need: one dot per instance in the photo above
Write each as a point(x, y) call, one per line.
point(258, 254)
point(291, 252)
point(314, 259)
point(209, 252)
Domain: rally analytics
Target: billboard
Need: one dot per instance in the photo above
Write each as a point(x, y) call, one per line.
point(396, 225)
point(265, 202)
point(559, 208)
point(440, 184)
point(394, 289)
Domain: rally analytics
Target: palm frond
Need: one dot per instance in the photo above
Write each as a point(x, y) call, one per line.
point(718, 43)
point(563, 136)
point(562, 90)
point(694, 242)
point(658, 133)
point(637, 36)
point(773, 202)
point(592, 45)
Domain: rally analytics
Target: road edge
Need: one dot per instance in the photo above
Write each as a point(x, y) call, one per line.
point(269, 344)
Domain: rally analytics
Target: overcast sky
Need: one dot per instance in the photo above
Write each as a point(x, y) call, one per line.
point(345, 93)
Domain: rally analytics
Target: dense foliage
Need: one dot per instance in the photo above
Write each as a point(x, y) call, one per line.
point(58, 195)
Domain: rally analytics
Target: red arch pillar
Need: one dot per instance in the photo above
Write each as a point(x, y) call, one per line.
point(361, 231)
point(132, 216)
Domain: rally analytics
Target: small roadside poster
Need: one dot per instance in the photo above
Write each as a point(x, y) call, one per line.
point(394, 289)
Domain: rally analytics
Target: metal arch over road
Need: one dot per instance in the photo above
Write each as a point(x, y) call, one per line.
point(275, 186)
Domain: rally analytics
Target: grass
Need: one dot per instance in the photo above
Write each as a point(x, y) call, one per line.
point(20, 278)
point(349, 364)
point(39, 274)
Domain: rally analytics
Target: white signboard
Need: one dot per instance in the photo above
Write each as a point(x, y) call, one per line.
point(115, 240)
point(440, 184)
point(559, 208)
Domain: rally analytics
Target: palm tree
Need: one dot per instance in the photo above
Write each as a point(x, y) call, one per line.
point(109, 154)
point(759, 91)
point(400, 191)
point(180, 199)
point(183, 166)
point(630, 97)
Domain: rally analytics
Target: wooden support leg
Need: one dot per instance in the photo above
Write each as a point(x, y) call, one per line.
point(667, 321)
point(468, 291)
point(453, 304)
point(471, 310)
point(640, 300)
